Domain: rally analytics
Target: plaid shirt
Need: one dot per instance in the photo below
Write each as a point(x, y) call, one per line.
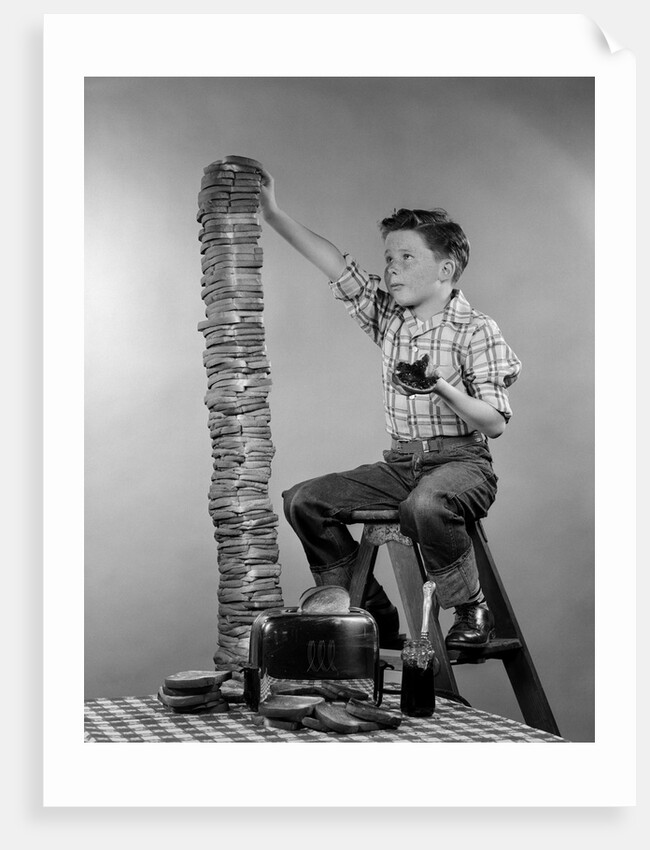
point(466, 346)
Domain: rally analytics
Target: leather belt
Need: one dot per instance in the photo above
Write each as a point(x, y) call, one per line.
point(435, 444)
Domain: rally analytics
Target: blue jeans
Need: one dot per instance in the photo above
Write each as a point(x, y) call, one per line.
point(436, 493)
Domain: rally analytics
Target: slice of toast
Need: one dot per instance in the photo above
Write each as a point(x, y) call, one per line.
point(289, 707)
point(289, 689)
point(314, 723)
point(346, 692)
point(197, 678)
point(366, 711)
point(242, 160)
point(326, 599)
point(336, 718)
point(286, 725)
point(190, 700)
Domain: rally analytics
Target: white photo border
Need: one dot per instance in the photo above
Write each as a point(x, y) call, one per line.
point(78, 46)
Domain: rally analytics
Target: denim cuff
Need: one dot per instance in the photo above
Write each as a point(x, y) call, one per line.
point(458, 582)
point(339, 572)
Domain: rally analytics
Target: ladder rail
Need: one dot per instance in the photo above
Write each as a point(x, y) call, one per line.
point(410, 573)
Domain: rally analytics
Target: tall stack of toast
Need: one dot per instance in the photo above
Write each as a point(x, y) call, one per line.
point(239, 383)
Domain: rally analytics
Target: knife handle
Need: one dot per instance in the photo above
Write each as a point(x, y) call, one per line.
point(428, 589)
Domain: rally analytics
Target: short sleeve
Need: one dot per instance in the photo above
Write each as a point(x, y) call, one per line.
point(491, 367)
point(366, 303)
point(353, 281)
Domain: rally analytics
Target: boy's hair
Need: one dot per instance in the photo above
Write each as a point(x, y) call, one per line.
point(442, 235)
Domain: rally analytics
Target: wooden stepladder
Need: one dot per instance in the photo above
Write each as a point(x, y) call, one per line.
point(382, 528)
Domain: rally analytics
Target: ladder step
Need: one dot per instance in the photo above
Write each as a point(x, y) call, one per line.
point(382, 527)
point(495, 649)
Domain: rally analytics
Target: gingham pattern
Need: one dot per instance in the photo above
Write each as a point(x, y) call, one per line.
point(466, 345)
point(366, 685)
point(144, 719)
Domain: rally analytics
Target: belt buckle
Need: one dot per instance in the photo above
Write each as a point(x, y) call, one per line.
point(425, 445)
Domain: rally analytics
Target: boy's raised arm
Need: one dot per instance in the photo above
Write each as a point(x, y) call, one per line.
point(315, 248)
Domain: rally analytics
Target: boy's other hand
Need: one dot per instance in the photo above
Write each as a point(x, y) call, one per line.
point(410, 390)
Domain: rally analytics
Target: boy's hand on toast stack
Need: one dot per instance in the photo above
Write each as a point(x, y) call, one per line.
point(268, 203)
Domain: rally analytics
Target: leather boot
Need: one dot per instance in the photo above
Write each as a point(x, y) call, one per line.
point(473, 627)
point(386, 616)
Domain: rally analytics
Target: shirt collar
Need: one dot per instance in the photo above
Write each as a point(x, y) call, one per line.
point(457, 311)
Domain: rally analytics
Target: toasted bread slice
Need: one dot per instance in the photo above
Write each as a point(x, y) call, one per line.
point(243, 160)
point(336, 718)
point(330, 691)
point(197, 678)
point(327, 599)
point(314, 723)
point(286, 725)
point(289, 707)
point(346, 692)
point(365, 711)
point(290, 689)
point(190, 700)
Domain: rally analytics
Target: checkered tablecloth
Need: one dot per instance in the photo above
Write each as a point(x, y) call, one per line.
point(144, 719)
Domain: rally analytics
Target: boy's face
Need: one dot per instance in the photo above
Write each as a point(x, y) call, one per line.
point(412, 270)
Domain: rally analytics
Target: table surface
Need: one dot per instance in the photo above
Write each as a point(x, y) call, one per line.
point(145, 719)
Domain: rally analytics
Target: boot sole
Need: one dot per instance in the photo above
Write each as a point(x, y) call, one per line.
point(463, 646)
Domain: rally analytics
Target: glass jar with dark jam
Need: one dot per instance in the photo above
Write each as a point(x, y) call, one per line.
point(418, 698)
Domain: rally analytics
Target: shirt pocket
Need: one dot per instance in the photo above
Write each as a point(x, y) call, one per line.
point(443, 358)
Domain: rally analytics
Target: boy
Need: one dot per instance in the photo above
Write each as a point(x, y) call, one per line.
point(438, 470)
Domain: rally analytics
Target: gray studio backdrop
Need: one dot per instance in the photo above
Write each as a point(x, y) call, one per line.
point(512, 160)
